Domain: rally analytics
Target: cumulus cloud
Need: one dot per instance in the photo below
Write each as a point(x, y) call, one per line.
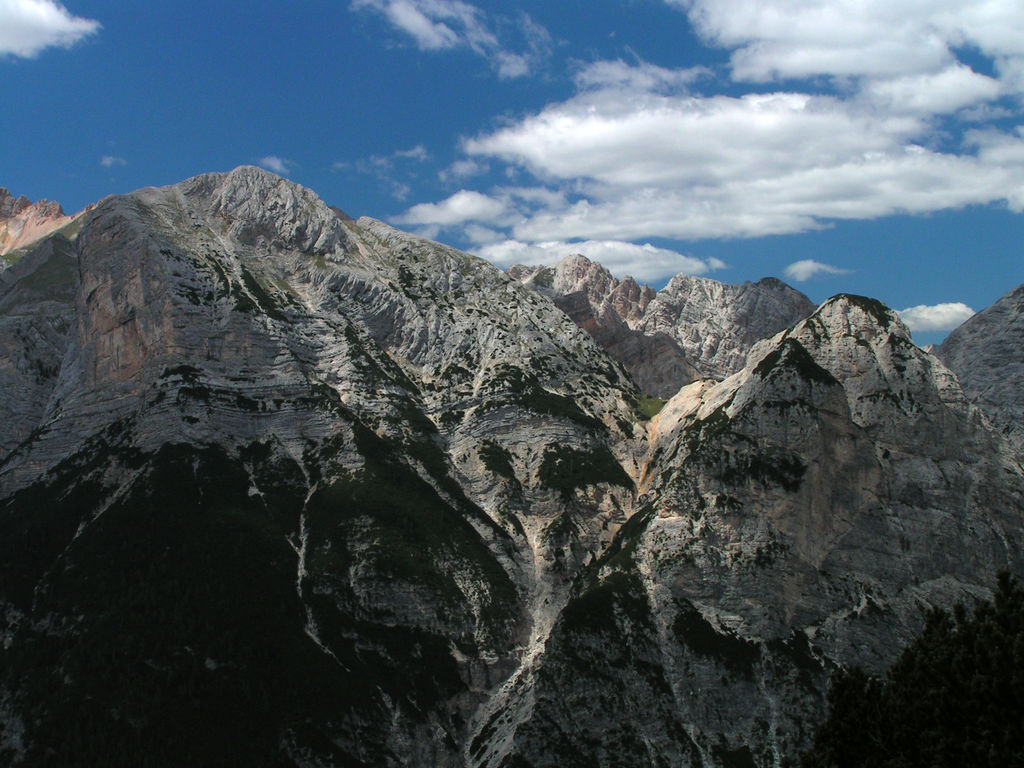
point(463, 206)
point(955, 87)
point(864, 109)
point(275, 164)
point(659, 164)
point(804, 270)
point(936, 317)
point(644, 262)
point(774, 39)
point(436, 25)
point(110, 161)
point(30, 26)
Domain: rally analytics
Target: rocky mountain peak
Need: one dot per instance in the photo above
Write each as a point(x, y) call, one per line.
point(987, 355)
point(23, 222)
point(368, 500)
point(259, 208)
point(694, 328)
point(851, 315)
point(11, 205)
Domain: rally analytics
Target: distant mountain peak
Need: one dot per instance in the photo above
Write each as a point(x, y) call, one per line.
point(22, 222)
point(693, 328)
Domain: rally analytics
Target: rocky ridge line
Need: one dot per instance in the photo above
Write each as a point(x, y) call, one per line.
point(23, 222)
point(417, 498)
point(694, 328)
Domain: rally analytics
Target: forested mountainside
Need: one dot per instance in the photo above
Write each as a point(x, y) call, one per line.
point(283, 488)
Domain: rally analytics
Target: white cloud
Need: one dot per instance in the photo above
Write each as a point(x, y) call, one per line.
point(109, 161)
point(374, 163)
point(635, 139)
point(804, 270)
point(854, 38)
point(463, 206)
point(644, 262)
point(937, 317)
point(870, 111)
point(638, 77)
point(436, 25)
point(29, 26)
point(275, 164)
point(652, 163)
point(462, 169)
point(951, 89)
point(418, 153)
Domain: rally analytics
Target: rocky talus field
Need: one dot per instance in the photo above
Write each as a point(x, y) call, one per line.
point(281, 487)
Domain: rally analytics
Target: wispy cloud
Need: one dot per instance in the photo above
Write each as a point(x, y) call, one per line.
point(111, 161)
point(417, 154)
point(393, 171)
point(275, 164)
point(27, 27)
point(462, 169)
point(804, 270)
point(936, 317)
point(437, 25)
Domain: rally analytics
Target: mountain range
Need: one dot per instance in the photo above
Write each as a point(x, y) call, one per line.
point(281, 487)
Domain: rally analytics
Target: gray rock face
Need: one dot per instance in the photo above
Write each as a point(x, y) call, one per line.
point(987, 355)
point(364, 499)
point(236, 325)
point(799, 515)
point(694, 328)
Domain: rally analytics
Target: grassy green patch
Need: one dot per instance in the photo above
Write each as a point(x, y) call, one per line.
point(646, 407)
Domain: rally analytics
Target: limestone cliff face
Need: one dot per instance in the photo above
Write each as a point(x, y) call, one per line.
point(987, 355)
point(282, 487)
point(694, 328)
point(799, 515)
point(422, 449)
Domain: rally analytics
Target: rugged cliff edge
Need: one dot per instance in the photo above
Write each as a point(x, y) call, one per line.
point(801, 514)
point(23, 222)
point(280, 487)
point(987, 354)
point(694, 328)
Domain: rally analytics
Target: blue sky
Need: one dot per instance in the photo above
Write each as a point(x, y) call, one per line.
point(870, 146)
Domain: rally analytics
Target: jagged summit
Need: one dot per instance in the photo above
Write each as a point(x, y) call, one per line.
point(22, 222)
point(361, 498)
point(694, 328)
point(797, 515)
